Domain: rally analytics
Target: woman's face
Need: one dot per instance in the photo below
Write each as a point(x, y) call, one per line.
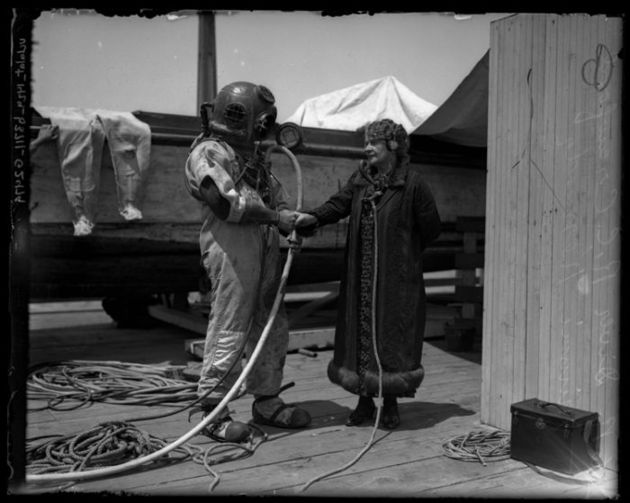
point(377, 153)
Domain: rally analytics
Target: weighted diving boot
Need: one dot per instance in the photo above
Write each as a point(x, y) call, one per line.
point(224, 428)
point(272, 411)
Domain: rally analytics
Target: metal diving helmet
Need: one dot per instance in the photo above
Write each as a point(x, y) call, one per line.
point(241, 112)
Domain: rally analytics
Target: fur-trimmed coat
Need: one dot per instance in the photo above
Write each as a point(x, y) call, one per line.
point(407, 221)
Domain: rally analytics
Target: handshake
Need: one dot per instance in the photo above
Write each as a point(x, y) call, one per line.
point(289, 220)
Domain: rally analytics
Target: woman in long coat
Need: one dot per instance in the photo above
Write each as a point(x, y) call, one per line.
point(393, 217)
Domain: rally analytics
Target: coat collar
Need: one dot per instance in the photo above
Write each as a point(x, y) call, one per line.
point(397, 178)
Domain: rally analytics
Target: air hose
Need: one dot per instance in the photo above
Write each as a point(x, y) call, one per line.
point(111, 470)
point(371, 442)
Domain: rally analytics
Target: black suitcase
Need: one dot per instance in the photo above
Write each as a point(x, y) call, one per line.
point(553, 436)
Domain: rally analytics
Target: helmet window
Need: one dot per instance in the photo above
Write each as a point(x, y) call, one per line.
point(265, 94)
point(234, 114)
point(264, 122)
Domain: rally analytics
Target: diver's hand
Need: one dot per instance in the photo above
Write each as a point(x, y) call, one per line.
point(286, 220)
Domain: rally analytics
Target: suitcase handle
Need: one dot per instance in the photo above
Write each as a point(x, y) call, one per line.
point(549, 404)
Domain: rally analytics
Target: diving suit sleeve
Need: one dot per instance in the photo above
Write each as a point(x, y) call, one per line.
point(208, 181)
point(256, 211)
point(220, 206)
point(211, 195)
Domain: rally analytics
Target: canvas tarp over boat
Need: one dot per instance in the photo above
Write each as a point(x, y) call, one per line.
point(463, 118)
point(350, 108)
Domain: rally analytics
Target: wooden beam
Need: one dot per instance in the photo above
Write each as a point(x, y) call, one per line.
point(207, 64)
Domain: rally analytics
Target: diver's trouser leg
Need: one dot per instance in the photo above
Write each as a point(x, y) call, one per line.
point(234, 284)
point(266, 375)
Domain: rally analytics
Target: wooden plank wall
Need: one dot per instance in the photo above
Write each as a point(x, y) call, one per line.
point(553, 212)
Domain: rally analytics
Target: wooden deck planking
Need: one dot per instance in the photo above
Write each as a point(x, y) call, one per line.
point(408, 461)
point(517, 483)
point(308, 382)
point(401, 467)
point(296, 447)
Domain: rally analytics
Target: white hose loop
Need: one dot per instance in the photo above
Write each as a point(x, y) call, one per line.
point(296, 168)
point(111, 470)
point(380, 372)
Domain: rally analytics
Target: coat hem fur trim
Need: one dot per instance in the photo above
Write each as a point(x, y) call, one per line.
point(394, 383)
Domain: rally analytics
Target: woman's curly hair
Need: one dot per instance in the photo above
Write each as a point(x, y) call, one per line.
point(387, 129)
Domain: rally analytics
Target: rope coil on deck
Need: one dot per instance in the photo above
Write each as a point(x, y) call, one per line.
point(83, 382)
point(107, 444)
point(479, 446)
point(116, 442)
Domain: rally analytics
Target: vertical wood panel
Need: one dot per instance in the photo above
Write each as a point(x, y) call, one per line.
point(614, 41)
point(571, 263)
point(558, 251)
point(504, 327)
point(588, 121)
point(551, 313)
point(546, 177)
point(493, 232)
point(501, 329)
point(515, 153)
point(491, 241)
point(538, 100)
point(491, 235)
point(606, 257)
point(583, 164)
point(572, 270)
point(502, 333)
point(519, 192)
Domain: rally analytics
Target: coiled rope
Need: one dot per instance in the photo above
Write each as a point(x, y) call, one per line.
point(115, 442)
point(479, 446)
point(248, 450)
point(81, 382)
point(484, 447)
point(211, 417)
point(109, 443)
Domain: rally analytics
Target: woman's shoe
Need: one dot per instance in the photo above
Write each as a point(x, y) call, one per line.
point(390, 418)
point(365, 410)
